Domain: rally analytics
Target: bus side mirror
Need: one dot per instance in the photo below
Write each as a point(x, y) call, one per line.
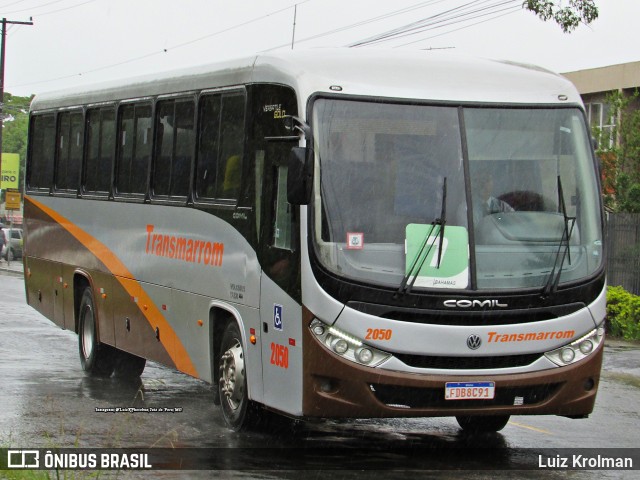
point(300, 176)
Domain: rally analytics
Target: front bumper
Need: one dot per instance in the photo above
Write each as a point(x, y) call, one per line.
point(336, 388)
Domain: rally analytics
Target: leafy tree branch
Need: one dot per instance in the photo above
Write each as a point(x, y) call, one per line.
point(568, 15)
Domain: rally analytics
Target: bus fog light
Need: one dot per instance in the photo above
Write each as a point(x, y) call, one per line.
point(340, 346)
point(586, 347)
point(318, 330)
point(568, 355)
point(364, 355)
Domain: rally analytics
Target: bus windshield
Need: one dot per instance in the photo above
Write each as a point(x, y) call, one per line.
point(449, 197)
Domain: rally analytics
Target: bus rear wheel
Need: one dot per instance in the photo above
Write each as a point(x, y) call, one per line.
point(482, 424)
point(96, 359)
point(238, 411)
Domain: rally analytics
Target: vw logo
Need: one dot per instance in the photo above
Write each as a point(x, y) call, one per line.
point(474, 342)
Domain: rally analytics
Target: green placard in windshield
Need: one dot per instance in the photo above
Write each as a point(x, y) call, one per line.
point(453, 271)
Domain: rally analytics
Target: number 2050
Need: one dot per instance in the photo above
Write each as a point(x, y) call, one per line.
point(378, 334)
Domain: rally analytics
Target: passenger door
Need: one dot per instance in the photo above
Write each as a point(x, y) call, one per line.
point(279, 252)
point(280, 308)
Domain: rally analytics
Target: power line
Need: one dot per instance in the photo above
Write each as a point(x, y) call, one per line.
point(64, 9)
point(160, 52)
point(403, 28)
point(510, 11)
point(458, 14)
point(32, 8)
point(157, 52)
point(11, 4)
point(468, 17)
point(363, 22)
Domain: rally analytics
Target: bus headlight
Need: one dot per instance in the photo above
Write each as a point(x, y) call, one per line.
point(578, 349)
point(347, 346)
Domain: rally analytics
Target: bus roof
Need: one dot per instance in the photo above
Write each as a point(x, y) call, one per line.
point(420, 75)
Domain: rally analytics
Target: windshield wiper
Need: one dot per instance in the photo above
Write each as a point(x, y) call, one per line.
point(418, 262)
point(554, 278)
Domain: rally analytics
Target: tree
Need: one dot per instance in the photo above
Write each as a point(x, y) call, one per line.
point(569, 16)
point(15, 126)
point(621, 163)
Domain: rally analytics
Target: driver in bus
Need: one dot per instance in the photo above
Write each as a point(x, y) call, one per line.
point(484, 201)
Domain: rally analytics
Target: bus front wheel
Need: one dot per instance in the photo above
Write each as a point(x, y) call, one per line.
point(96, 359)
point(128, 366)
point(482, 424)
point(237, 410)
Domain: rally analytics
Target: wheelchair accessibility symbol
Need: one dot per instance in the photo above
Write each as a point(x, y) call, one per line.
point(277, 317)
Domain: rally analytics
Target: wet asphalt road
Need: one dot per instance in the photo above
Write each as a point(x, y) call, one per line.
point(46, 401)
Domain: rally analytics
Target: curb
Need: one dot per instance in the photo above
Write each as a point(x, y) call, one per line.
point(4, 270)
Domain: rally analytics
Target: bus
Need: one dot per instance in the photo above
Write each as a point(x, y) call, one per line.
point(339, 233)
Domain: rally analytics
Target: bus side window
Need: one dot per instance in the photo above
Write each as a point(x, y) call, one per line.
point(221, 146)
point(283, 214)
point(231, 145)
point(100, 150)
point(69, 145)
point(134, 133)
point(42, 149)
point(208, 146)
point(174, 140)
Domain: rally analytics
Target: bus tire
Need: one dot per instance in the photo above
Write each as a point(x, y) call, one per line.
point(238, 411)
point(97, 359)
point(483, 424)
point(127, 365)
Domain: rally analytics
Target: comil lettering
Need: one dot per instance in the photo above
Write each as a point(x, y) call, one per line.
point(184, 248)
point(489, 303)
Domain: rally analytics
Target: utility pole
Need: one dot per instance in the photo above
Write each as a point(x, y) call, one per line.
point(5, 22)
point(293, 35)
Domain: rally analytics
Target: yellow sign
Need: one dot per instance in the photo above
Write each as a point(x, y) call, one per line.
point(13, 200)
point(10, 174)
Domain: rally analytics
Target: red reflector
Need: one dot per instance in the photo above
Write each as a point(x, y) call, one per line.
point(292, 342)
point(252, 331)
point(164, 307)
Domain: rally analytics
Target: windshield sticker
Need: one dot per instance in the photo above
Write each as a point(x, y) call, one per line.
point(423, 243)
point(355, 241)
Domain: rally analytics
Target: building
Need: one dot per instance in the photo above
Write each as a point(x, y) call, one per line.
point(623, 229)
point(596, 85)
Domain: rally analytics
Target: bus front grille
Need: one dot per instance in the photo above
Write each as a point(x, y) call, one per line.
point(412, 397)
point(467, 363)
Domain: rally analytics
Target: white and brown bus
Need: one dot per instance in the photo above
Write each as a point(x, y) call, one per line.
point(339, 233)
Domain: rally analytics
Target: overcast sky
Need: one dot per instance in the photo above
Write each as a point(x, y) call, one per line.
point(78, 42)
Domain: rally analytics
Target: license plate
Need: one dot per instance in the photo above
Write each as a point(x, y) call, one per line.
point(469, 390)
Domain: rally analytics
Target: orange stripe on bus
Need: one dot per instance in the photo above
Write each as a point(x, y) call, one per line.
point(153, 314)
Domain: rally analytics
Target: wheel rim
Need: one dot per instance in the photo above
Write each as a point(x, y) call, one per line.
point(87, 332)
point(232, 376)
